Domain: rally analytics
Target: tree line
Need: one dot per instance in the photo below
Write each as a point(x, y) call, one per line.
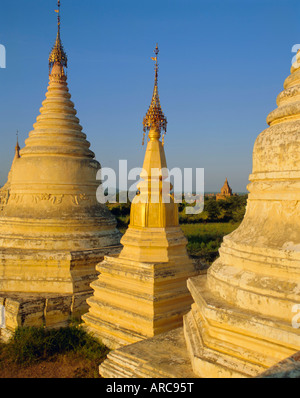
point(231, 209)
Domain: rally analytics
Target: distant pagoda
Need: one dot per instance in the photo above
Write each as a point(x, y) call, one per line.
point(226, 191)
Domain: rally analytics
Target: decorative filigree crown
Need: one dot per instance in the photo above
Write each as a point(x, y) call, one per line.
point(58, 54)
point(155, 116)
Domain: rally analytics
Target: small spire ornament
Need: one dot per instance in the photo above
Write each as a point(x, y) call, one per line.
point(58, 54)
point(17, 148)
point(155, 118)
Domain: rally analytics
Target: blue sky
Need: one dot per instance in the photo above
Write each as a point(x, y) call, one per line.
point(222, 64)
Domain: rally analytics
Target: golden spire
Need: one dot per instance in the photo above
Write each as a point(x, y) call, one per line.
point(58, 54)
point(155, 118)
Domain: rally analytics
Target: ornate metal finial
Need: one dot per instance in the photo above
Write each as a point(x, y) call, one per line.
point(155, 116)
point(156, 52)
point(58, 54)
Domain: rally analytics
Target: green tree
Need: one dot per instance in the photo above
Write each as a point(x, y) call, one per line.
point(213, 210)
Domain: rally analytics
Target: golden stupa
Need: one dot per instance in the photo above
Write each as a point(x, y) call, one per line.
point(142, 292)
point(52, 230)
